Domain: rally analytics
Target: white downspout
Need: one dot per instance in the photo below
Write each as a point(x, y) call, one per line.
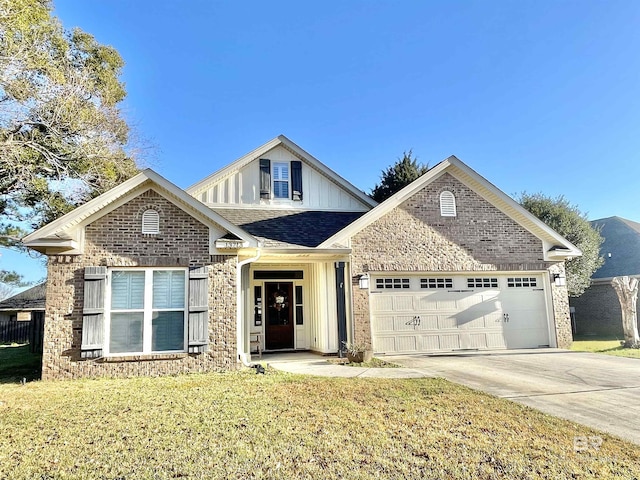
point(242, 355)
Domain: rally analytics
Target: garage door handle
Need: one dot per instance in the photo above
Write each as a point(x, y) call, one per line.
point(415, 321)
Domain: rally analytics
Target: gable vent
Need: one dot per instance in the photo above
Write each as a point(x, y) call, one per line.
point(150, 222)
point(447, 204)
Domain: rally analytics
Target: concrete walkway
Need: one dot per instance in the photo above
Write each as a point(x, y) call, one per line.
point(598, 391)
point(312, 364)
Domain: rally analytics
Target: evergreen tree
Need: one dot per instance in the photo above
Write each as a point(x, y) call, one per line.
point(398, 176)
point(572, 224)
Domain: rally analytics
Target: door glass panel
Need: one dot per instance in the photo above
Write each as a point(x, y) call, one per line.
point(299, 303)
point(279, 306)
point(257, 309)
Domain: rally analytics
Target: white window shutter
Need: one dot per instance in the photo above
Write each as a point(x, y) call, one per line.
point(447, 204)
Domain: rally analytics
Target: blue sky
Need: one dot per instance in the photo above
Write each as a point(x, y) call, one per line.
point(535, 96)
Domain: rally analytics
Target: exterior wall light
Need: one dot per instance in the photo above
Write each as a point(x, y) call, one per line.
point(363, 281)
point(559, 280)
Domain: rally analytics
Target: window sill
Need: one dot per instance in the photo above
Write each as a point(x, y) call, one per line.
point(147, 357)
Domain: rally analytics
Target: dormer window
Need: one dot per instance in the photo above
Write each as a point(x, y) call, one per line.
point(280, 180)
point(447, 204)
point(150, 222)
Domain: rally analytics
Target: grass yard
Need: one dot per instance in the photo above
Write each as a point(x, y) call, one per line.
point(16, 363)
point(242, 425)
point(609, 346)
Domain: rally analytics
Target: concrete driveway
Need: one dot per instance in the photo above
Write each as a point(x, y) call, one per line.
point(599, 391)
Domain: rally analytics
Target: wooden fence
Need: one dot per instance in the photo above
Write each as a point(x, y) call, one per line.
point(30, 332)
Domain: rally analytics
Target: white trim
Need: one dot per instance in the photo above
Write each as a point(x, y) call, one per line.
point(551, 239)
point(197, 188)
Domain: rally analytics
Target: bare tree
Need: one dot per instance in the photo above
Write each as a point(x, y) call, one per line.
point(627, 290)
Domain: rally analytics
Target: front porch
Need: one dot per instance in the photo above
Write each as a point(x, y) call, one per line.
point(294, 304)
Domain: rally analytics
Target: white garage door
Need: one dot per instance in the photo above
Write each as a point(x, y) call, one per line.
point(430, 314)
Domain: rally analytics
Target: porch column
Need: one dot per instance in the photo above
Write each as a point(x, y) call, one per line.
point(341, 308)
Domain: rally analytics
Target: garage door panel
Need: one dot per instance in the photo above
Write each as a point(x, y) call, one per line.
point(478, 340)
point(526, 338)
point(428, 322)
point(382, 303)
point(495, 340)
point(405, 323)
point(403, 303)
point(442, 320)
point(383, 343)
point(385, 323)
point(447, 322)
point(467, 301)
point(478, 311)
point(407, 343)
point(448, 341)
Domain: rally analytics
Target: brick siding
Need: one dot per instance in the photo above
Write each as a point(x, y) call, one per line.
point(415, 237)
point(598, 311)
point(115, 240)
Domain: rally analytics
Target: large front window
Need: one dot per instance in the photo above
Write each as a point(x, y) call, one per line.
point(147, 311)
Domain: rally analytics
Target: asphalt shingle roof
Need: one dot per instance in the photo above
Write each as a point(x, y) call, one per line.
point(622, 241)
point(289, 228)
point(31, 299)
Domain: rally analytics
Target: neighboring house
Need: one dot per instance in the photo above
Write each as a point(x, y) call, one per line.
point(20, 306)
point(276, 248)
point(597, 310)
point(22, 316)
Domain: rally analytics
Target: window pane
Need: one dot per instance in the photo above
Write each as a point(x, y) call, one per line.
point(168, 331)
point(281, 189)
point(127, 290)
point(126, 332)
point(281, 171)
point(168, 289)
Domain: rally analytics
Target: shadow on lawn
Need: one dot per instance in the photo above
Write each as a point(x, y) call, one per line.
point(18, 364)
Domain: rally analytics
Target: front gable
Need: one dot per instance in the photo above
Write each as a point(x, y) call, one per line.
point(145, 192)
point(468, 211)
point(119, 233)
point(419, 234)
point(280, 175)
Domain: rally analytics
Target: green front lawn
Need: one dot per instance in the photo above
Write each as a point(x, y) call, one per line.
point(243, 425)
point(17, 363)
point(607, 345)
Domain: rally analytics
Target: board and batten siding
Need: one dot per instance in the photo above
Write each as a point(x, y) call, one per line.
point(242, 188)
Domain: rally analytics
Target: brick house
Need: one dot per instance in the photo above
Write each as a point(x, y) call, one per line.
point(597, 310)
point(278, 250)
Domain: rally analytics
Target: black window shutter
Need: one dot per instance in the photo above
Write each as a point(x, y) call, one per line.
point(296, 179)
point(95, 279)
point(265, 178)
point(198, 309)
